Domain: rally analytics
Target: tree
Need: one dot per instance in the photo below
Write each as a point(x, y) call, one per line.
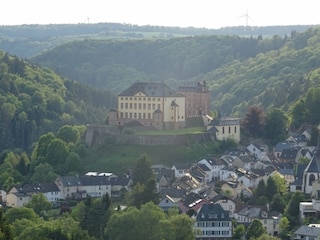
point(239, 231)
point(260, 191)
point(254, 121)
point(278, 203)
point(5, 231)
point(94, 214)
point(73, 163)
point(68, 134)
point(63, 228)
point(42, 146)
point(255, 229)
point(14, 214)
point(276, 125)
point(271, 188)
point(284, 228)
point(142, 171)
point(292, 209)
point(57, 152)
point(267, 237)
point(39, 203)
point(150, 222)
point(43, 173)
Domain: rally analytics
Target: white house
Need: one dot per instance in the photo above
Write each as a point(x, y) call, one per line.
point(213, 222)
point(180, 169)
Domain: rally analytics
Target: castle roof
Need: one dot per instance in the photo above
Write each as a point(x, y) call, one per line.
point(150, 89)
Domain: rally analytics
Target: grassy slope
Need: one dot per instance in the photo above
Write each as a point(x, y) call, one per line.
point(120, 158)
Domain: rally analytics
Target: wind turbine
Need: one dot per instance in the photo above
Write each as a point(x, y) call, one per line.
point(247, 17)
point(87, 20)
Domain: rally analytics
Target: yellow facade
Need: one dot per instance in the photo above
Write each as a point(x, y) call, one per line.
point(152, 105)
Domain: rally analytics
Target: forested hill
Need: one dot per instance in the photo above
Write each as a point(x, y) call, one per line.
point(271, 72)
point(35, 100)
point(29, 40)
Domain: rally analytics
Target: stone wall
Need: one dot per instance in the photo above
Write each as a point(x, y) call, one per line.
point(100, 134)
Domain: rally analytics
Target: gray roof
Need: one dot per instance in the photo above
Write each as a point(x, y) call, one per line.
point(286, 171)
point(283, 145)
point(308, 231)
point(313, 166)
point(150, 89)
point(290, 153)
point(70, 181)
point(182, 166)
point(225, 121)
point(94, 180)
point(212, 212)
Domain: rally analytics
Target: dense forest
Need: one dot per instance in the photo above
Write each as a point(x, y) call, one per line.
point(240, 71)
point(35, 100)
point(29, 40)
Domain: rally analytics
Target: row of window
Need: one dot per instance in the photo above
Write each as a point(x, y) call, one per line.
point(215, 233)
point(213, 224)
point(229, 129)
point(143, 106)
point(136, 115)
point(140, 98)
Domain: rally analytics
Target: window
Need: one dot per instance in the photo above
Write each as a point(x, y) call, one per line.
point(126, 105)
point(153, 106)
point(311, 179)
point(158, 106)
point(130, 106)
point(139, 105)
point(121, 105)
point(229, 130)
point(135, 106)
point(144, 106)
point(222, 130)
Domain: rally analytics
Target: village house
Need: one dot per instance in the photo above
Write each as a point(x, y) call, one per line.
point(226, 203)
point(180, 169)
point(213, 222)
point(277, 151)
point(164, 178)
point(269, 220)
point(191, 202)
point(79, 187)
point(20, 195)
point(225, 128)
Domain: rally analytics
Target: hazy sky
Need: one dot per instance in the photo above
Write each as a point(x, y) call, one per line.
point(181, 13)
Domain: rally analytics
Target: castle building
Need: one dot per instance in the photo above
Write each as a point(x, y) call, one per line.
point(150, 104)
point(197, 98)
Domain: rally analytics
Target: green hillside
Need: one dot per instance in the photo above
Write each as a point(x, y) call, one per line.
point(30, 40)
point(241, 71)
point(36, 100)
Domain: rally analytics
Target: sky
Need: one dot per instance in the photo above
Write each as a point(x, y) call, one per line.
point(177, 13)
